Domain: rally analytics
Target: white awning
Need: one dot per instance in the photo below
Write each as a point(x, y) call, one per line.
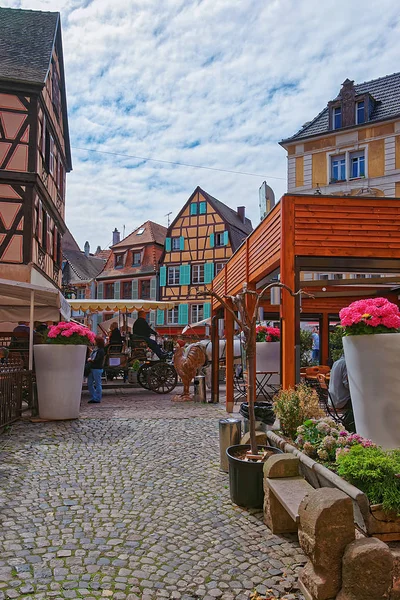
point(15, 302)
point(202, 323)
point(96, 306)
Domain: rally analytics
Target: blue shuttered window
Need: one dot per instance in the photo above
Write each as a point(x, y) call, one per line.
point(226, 238)
point(160, 317)
point(117, 290)
point(153, 288)
point(193, 208)
point(135, 289)
point(168, 244)
point(181, 243)
point(212, 240)
point(183, 314)
point(203, 208)
point(163, 276)
point(100, 291)
point(207, 310)
point(208, 272)
point(184, 275)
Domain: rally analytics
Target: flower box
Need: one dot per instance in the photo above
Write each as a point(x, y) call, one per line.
point(370, 519)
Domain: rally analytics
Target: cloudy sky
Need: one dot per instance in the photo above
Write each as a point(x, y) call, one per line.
point(215, 83)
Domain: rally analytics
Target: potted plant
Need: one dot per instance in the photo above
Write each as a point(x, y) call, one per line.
point(268, 352)
point(372, 348)
point(133, 371)
point(246, 462)
point(59, 366)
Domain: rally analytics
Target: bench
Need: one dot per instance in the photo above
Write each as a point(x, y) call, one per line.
point(284, 490)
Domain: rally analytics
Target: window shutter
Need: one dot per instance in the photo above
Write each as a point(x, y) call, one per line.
point(163, 276)
point(55, 236)
point(212, 240)
point(168, 244)
point(100, 293)
point(193, 208)
point(152, 318)
point(184, 275)
point(226, 238)
point(40, 222)
point(208, 272)
point(183, 314)
point(117, 290)
point(203, 208)
point(207, 310)
point(153, 288)
point(182, 243)
point(135, 289)
point(160, 317)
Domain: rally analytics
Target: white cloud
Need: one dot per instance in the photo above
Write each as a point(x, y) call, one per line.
point(152, 78)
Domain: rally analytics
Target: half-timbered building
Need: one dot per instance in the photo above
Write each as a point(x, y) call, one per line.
point(132, 267)
point(199, 242)
point(34, 146)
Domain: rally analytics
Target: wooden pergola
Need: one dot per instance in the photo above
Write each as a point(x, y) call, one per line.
point(309, 234)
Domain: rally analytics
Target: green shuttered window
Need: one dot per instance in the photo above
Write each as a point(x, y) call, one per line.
point(207, 310)
point(160, 317)
point(153, 288)
point(168, 244)
point(212, 240)
point(181, 243)
point(163, 276)
point(203, 208)
point(117, 290)
point(183, 314)
point(193, 208)
point(100, 291)
point(208, 272)
point(135, 289)
point(226, 238)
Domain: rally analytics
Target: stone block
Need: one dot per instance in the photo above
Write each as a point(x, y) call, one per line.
point(261, 438)
point(367, 571)
point(326, 528)
point(275, 516)
point(395, 549)
point(281, 465)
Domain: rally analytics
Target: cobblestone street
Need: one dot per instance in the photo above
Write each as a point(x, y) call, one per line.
point(129, 503)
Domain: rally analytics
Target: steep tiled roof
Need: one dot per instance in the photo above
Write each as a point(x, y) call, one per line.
point(153, 233)
point(229, 215)
point(26, 43)
point(79, 268)
point(386, 93)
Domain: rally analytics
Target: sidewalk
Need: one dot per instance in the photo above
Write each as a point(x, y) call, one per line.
point(129, 503)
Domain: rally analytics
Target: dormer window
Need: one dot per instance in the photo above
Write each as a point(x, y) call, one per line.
point(360, 112)
point(337, 117)
point(119, 261)
point(136, 256)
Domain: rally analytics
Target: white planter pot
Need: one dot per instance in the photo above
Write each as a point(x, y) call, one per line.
point(373, 367)
point(268, 358)
point(59, 375)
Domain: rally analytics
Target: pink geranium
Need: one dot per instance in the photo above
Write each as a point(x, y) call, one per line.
point(370, 315)
point(267, 334)
point(70, 333)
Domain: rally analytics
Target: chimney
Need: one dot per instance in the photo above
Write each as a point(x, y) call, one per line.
point(241, 212)
point(116, 236)
point(87, 249)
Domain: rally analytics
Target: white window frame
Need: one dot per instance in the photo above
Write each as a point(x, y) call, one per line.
point(173, 316)
point(136, 264)
point(347, 152)
point(333, 117)
point(175, 243)
point(338, 157)
point(357, 155)
point(175, 274)
point(365, 107)
point(198, 273)
point(219, 239)
point(80, 293)
point(218, 267)
point(119, 256)
point(196, 313)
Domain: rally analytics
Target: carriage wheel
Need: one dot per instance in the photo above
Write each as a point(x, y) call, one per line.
point(162, 378)
point(142, 375)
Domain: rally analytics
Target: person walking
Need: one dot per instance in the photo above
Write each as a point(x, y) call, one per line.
point(315, 345)
point(95, 364)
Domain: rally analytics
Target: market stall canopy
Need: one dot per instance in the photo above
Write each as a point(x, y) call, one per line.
point(95, 306)
point(16, 297)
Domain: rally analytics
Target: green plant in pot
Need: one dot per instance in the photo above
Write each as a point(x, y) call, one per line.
point(245, 465)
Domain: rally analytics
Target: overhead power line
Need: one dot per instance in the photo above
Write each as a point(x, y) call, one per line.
point(178, 164)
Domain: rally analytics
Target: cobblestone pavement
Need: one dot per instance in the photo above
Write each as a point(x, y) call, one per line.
point(129, 503)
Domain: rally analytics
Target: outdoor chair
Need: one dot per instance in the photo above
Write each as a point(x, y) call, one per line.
point(338, 415)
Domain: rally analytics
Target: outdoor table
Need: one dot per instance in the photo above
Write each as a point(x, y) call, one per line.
point(263, 385)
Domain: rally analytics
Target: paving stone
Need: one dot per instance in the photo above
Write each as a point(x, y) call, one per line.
point(106, 507)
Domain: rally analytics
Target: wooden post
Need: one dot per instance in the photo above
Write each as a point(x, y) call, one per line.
point(31, 325)
point(288, 303)
point(229, 368)
point(324, 339)
point(214, 360)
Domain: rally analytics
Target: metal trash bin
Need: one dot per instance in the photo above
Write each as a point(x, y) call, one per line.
point(200, 394)
point(230, 431)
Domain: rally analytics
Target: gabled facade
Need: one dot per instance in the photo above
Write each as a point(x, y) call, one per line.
point(353, 146)
point(34, 146)
point(199, 242)
point(132, 268)
point(79, 269)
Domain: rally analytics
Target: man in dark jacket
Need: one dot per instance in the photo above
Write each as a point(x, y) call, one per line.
point(142, 329)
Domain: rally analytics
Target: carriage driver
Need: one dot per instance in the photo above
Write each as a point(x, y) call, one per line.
point(142, 329)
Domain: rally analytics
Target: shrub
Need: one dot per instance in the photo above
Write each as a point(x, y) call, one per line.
point(294, 406)
point(375, 472)
point(336, 343)
point(306, 343)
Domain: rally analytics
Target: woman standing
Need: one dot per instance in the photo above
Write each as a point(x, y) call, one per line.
point(95, 363)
